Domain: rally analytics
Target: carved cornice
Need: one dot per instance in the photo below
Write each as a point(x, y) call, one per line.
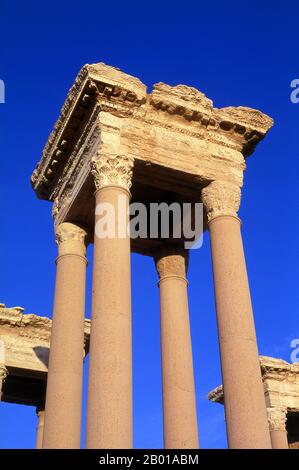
point(73, 112)
point(278, 369)
point(171, 261)
point(115, 86)
point(77, 168)
point(66, 232)
point(96, 86)
point(181, 100)
point(243, 127)
point(86, 146)
point(221, 198)
point(112, 171)
point(29, 325)
point(277, 418)
point(216, 395)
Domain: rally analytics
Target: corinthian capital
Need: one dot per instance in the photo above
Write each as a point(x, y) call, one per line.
point(171, 261)
point(3, 374)
point(221, 198)
point(71, 238)
point(277, 419)
point(70, 232)
point(112, 171)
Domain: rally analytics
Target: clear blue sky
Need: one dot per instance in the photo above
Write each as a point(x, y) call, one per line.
point(237, 53)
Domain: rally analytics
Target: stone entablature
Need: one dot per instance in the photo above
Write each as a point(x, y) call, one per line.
point(281, 384)
point(24, 349)
point(175, 136)
point(25, 339)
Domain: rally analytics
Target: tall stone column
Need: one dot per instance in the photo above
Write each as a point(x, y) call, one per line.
point(179, 404)
point(64, 385)
point(245, 409)
point(3, 375)
point(277, 424)
point(109, 409)
point(40, 411)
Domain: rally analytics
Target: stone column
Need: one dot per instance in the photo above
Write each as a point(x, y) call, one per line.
point(277, 424)
point(40, 411)
point(3, 375)
point(179, 404)
point(64, 385)
point(109, 409)
point(245, 409)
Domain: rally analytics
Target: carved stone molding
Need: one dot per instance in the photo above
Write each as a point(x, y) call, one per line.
point(277, 419)
point(279, 370)
point(281, 385)
point(112, 171)
point(3, 374)
point(67, 231)
point(221, 198)
point(172, 261)
point(77, 168)
point(22, 332)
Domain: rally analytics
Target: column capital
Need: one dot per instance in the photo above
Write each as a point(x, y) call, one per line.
point(3, 373)
point(112, 170)
point(221, 198)
point(71, 239)
point(171, 261)
point(277, 419)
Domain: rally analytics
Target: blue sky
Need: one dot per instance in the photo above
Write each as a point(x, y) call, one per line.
point(237, 53)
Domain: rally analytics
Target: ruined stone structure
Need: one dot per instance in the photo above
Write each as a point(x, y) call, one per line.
point(114, 140)
point(281, 390)
point(24, 354)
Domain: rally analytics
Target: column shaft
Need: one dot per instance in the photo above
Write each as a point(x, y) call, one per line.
point(277, 418)
point(245, 408)
point(64, 386)
point(40, 428)
point(109, 410)
point(179, 404)
point(279, 439)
